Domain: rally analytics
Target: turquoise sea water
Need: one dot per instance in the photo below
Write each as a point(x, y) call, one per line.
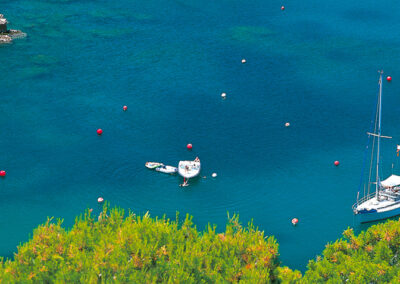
point(313, 65)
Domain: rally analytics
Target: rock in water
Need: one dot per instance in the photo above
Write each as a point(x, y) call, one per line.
point(7, 35)
point(5, 39)
point(3, 24)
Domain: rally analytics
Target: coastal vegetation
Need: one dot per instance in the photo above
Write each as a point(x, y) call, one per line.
point(370, 257)
point(140, 249)
point(119, 247)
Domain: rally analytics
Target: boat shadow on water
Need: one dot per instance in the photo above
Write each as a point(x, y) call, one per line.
point(358, 227)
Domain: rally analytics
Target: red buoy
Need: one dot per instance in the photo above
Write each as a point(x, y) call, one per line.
point(2, 173)
point(388, 78)
point(99, 131)
point(295, 221)
point(100, 199)
point(336, 163)
point(283, 8)
point(189, 146)
point(125, 108)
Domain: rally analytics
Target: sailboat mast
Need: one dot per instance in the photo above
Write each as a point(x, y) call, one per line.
point(379, 135)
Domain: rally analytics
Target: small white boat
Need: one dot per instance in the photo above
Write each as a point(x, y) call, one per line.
point(167, 169)
point(153, 165)
point(189, 169)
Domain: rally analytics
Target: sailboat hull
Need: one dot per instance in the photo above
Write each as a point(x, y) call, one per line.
point(377, 215)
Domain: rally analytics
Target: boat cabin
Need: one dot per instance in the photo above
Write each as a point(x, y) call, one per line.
point(391, 188)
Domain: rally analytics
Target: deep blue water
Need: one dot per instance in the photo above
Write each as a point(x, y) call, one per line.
point(314, 64)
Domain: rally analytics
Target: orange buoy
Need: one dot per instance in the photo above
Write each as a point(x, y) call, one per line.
point(336, 163)
point(125, 108)
point(283, 8)
point(99, 131)
point(388, 78)
point(2, 173)
point(100, 199)
point(189, 146)
point(287, 124)
point(295, 221)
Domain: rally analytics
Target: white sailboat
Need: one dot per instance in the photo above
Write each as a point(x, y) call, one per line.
point(384, 202)
point(189, 169)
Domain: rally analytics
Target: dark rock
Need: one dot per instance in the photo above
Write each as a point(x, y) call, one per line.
point(3, 24)
point(6, 35)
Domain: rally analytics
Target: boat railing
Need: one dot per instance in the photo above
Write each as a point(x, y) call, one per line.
point(363, 199)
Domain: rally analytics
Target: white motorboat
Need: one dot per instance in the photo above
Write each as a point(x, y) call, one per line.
point(153, 165)
point(189, 169)
point(384, 201)
point(167, 169)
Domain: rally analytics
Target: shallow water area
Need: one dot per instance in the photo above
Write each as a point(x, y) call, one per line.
point(313, 65)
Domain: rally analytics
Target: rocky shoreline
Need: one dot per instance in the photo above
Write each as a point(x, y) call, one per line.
point(7, 35)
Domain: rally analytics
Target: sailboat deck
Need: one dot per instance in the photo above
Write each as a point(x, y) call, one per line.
point(391, 195)
point(384, 204)
point(189, 169)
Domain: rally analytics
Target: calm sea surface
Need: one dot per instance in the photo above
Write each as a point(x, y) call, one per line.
point(314, 65)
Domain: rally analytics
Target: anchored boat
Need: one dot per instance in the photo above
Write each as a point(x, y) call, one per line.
point(153, 165)
point(167, 169)
point(384, 201)
point(189, 169)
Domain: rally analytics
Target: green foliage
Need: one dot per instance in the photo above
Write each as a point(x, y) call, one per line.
point(139, 249)
point(114, 248)
point(370, 257)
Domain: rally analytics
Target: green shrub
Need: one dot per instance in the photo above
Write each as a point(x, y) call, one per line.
point(134, 249)
point(116, 248)
point(370, 257)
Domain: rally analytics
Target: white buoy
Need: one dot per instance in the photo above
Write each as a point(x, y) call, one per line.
point(100, 199)
point(223, 95)
point(214, 175)
point(243, 60)
point(287, 124)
